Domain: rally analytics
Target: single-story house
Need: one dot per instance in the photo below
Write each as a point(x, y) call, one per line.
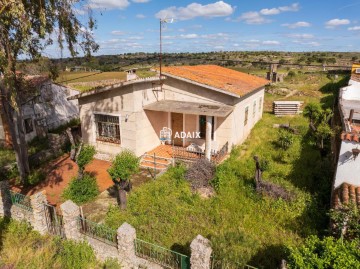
point(189, 100)
point(47, 109)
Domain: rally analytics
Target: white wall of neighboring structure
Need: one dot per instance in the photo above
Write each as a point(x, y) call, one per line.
point(348, 167)
point(352, 91)
point(50, 109)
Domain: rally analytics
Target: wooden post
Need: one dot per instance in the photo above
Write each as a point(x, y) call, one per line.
point(208, 137)
point(154, 166)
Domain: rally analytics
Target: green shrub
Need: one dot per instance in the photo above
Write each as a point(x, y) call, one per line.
point(85, 156)
point(285, 139)
point(112, 264)
point(82, 191)
point(36, 176)
point(124, 165)
point(326, 253)
point(76, 255)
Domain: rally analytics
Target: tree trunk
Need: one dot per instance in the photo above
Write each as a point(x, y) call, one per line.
point(72, 141)
point(122, 199)
point(14, 120)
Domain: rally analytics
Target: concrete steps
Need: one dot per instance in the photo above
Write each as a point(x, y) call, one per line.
point(155, 163)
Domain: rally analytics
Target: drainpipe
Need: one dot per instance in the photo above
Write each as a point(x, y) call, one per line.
point(208, 137)
point(351, 115)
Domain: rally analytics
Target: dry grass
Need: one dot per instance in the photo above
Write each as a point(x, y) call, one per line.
point(75, 77)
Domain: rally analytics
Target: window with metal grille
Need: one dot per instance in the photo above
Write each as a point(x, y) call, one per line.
point(28, 125)
point(246, 115)
point(107, 128)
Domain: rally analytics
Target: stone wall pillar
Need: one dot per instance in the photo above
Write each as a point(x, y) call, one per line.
point(5, 199)
point(71, 213)
point(200, 253)
point(126, 235)
point(38, 202)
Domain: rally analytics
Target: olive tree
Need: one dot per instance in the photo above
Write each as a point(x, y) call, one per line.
point(122, 168)
point(26, 29)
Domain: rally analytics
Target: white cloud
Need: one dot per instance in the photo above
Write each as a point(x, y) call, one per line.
point(117, 32)
point(140, 16)
point(258, 17)
point(355, 28)
point(189, 36)
point(274, 11)
point(271, 42)
point(141, 1)
point(193, 10)
point(253, 17)
point(219, 47)
point(297, 24)
point(336, 22)
point(301, 36)
point(311, 43)
point(109, 4)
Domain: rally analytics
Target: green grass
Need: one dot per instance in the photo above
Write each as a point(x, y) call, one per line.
point(21, 247)
point(241, 225)
point(73, 77)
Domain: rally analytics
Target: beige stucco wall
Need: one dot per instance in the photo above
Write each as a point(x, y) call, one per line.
point(239, 131)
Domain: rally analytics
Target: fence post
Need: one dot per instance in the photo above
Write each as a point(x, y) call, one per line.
point(37, 202)
point(126, 235)
point(71, 213)
point(5, 199)
point(200, 253)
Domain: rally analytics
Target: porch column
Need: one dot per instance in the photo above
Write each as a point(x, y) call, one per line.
point(208, 137)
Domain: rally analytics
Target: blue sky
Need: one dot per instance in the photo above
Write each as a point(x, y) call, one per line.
point(210, 25)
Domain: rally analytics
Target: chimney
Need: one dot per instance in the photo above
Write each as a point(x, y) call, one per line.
point(131, 74)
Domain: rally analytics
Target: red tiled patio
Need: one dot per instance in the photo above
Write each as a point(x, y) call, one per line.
point(59, 174)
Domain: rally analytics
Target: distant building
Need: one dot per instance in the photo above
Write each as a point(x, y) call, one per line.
point(46, 110)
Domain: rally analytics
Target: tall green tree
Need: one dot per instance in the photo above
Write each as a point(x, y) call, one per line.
point(26, 28)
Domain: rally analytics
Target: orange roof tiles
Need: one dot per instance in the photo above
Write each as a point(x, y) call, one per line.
point(350, 136)
point(346, 194)
point(225, 79)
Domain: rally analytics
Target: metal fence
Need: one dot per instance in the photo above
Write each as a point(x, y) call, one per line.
point(162, 256)
point(21, 200)
point(224, 264)
point(98, 231)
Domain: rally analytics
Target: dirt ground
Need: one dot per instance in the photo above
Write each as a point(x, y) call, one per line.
point(59, 174)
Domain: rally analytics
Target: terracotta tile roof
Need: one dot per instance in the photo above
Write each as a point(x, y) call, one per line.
point(225, 79)
point(350, 137)
point(346, 194)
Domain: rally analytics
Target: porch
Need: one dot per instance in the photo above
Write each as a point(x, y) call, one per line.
point(162, 156)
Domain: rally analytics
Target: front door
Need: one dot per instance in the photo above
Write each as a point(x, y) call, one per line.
point(177, 127)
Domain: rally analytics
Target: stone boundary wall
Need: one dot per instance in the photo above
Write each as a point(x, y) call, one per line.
point(124, 252)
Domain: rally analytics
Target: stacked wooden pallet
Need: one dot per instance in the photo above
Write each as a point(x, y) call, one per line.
point(282, 108)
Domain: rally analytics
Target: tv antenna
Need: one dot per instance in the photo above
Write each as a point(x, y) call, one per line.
point(162, 24)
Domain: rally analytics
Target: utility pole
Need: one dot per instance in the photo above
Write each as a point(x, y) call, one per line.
point(162, 22)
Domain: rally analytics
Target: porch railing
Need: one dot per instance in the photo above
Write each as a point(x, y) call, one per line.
point(185, 154)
